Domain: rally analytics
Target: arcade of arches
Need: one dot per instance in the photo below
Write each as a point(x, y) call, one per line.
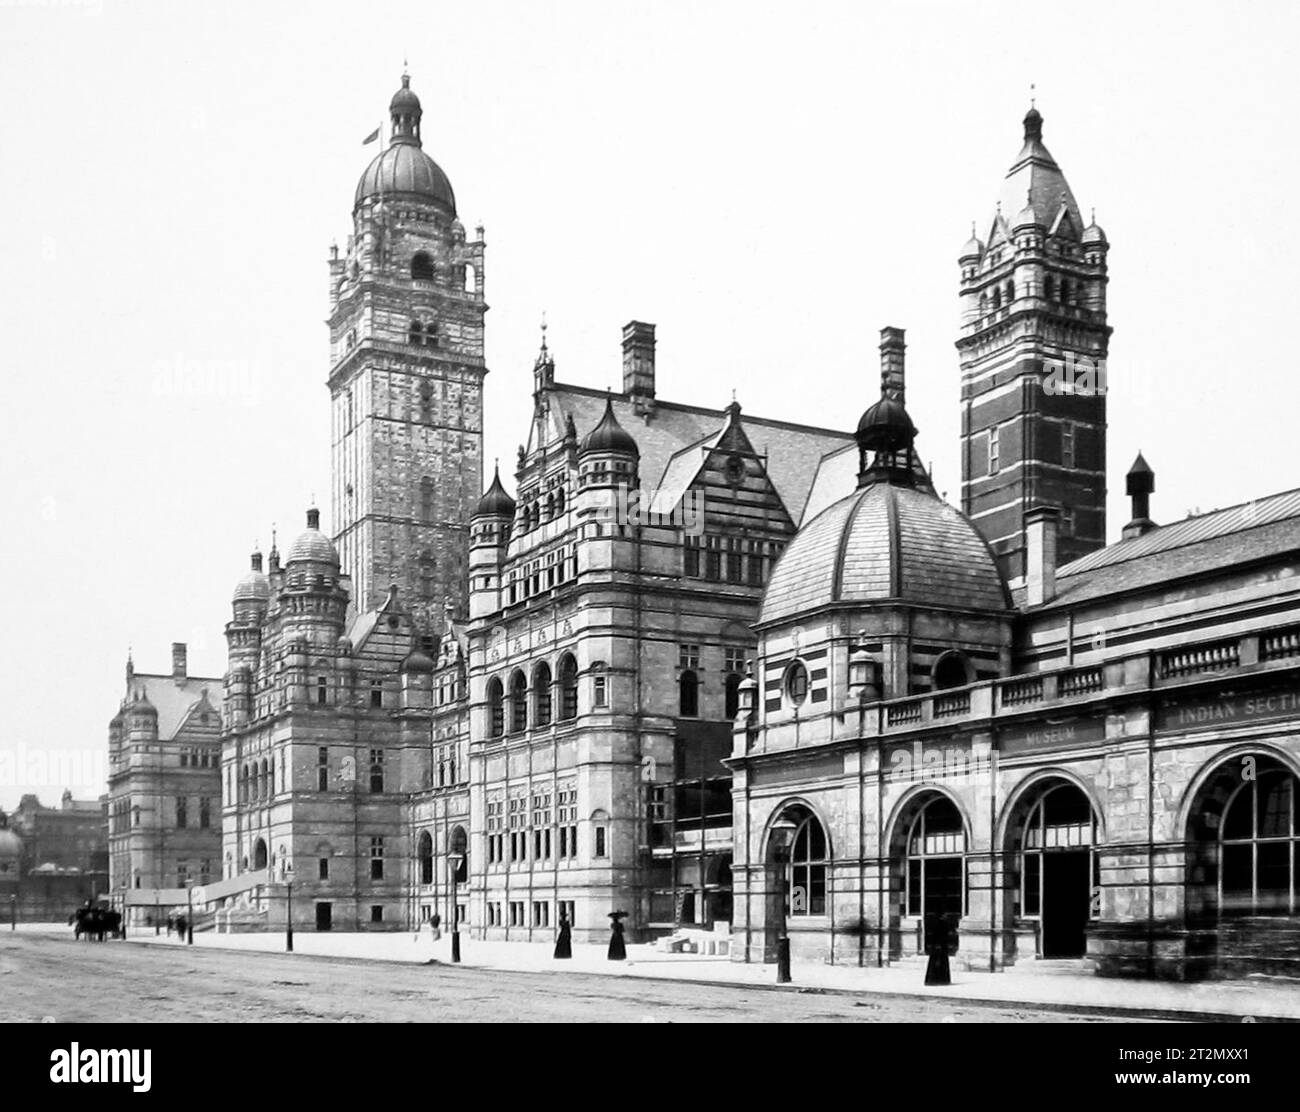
point(1038, 880)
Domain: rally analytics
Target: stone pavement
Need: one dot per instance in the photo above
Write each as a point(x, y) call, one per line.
point(1051, 984)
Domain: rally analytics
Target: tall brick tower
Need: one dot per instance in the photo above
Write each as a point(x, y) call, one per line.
point(1033, 346)
point(406, 381)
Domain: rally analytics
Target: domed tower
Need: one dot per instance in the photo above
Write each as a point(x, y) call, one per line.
point(1033, 347)
point(314, 597)
point(890, 576)
point(406, 379)
point(248, 603)
point(489, 535)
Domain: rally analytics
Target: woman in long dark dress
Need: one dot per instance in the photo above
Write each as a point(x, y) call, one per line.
point(936, 969)
point(617, 950)
point(564, 943)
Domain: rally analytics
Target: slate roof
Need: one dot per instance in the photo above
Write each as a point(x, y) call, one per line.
point(885, 542)
point(174, 701)
point(1216, 541)
point(664, 433)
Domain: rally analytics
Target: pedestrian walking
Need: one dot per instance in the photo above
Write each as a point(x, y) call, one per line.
point(564, 943)
point(617, 950)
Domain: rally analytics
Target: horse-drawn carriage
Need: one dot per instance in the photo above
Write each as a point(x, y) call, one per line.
point(96, 922)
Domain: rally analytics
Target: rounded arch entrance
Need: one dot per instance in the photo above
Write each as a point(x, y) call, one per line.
point(796, 858)
point(928, 839)
point(1243, 840)
point(1051, 831)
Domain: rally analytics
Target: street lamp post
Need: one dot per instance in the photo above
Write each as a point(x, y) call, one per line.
point(453, 862)
point(13, 911)
point(189, 911)
point(288, 922)
point(783, 831)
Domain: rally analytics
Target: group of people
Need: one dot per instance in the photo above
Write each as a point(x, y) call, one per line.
point(94, 923)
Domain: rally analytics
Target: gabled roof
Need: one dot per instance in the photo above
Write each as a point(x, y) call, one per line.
point(175, 700)
point(1216, 541)
point(667, 432)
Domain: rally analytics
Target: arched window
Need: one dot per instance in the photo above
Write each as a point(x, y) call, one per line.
point(542, 694)
point(460, 851)
point(997, 297)
point(518, 703)
point(471, 278)
point(936, 860)
point(266, 781)
point(550, 506)
point(1011, 291)
point(259, 854)
point(806, 871)
point(984, 304)
point(733, 694)
point(1065, 292)
point(1049, 288)
point(796, 683)
point(415, 333)
point(950, 670)
point(425, 852)
point(1260, 843)
point(559, 500)
point(422, 267)
point(568, 688)
point(496, 708)
point(688, 686)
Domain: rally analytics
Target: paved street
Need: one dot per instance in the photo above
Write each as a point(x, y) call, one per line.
point(41, 976)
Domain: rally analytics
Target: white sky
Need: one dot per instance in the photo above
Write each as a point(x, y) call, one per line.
point(768, 183)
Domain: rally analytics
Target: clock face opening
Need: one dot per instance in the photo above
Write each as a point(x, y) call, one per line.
point(734, 470)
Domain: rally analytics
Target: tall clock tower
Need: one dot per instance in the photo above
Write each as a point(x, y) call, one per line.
point(1033, 348)
point(406, 380)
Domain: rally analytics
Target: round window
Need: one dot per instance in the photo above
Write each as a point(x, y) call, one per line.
point(796, 683)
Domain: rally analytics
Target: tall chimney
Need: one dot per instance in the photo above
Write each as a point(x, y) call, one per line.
point(1040, 554)
point(639, 359)
point(178, 660)
point(892, 348)
point(1138, 485)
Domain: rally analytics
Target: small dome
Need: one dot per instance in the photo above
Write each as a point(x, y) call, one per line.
point(496, 501)
point(886, 427)
point(142, 706)
point(416, 661)
point(311, 545)
point(254, 587)
point(609, 435)
point(404, 100)
point(973, 249)
point(1093, 234)
point(885, 542)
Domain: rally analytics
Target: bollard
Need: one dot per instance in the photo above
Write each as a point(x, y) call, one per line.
point(782, 961)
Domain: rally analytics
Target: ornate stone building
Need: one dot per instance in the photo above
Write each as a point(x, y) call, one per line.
point(609, 625)
point(164, 780)
point(1100, 763)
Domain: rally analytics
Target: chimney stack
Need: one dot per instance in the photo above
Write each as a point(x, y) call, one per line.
point(639, 360)
point(1138, 484)
point(178, 660)
point(1040, 554)
point(892, 348)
